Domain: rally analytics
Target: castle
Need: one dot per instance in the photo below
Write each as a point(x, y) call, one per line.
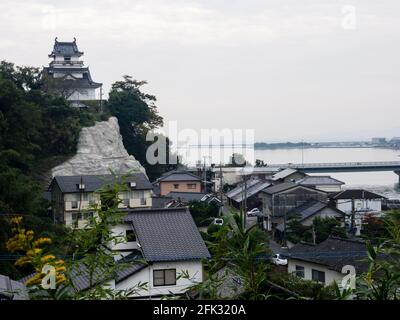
point(67, 75)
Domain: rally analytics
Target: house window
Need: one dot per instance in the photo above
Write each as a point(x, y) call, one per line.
point(165, 277)
point(125, 202)
point(87, 215)
point(176, 186)
point(74, 204)
point(191, 186)
point(300, 271)
point(67, 58)
point(318, 276)
point(130, 236)
point(143, 201)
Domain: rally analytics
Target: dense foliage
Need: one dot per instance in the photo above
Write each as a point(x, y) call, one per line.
point(203, 213)
point(37, 131)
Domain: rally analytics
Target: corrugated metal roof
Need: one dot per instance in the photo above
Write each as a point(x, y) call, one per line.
point(252, 190)
point(283, 174)
point(357, 194)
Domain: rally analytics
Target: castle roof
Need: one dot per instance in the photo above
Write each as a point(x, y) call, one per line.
point(65, 49)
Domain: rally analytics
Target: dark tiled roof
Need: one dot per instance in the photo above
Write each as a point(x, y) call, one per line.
point(85, 82)
point(280, 187)
point(310, 208)
point(179, 176)
point(65, 48)
point(333, 253)
point(167, 234)
point(285, 173)
point(12, 290)
point(319, 180)
point(186, 196)
point(160, 202)
point(93, 183)
point(357, 194)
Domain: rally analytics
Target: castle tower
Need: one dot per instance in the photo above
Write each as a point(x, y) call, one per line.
point(67, 75)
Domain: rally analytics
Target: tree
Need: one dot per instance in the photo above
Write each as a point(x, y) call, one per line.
point(137, 114)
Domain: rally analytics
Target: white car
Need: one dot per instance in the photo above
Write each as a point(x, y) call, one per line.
point(279, 260)
point(218, 221)
point(253, 212)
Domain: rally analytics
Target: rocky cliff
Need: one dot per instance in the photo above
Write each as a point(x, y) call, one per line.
point(100, 149)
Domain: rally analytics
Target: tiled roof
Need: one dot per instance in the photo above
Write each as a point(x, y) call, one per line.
point(85, 82)
point(309, 209)
point(65, 49)
point(280, 187)
point(333, 253)
point(179, 176)
point(186, 196)
point(160, 201)
point(167, 234)
point(357, 194)
point(319, 180)
point(68, 184)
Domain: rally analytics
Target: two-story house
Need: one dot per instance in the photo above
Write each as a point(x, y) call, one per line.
point(72, 197)
point(178, 181)
point(278, 200)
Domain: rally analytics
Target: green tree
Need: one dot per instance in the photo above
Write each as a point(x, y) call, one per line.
point(137, 114)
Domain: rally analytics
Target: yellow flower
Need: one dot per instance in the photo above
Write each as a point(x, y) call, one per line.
point(16, 220)
point(41, 241)
point(47, 258)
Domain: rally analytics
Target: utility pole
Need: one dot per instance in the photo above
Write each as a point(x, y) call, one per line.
point(302, 152)
point(220, 182)
point(353, 216)
point(245, 202)
point(284, 223)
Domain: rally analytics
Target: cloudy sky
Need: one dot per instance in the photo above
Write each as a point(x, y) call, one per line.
point(290, 69)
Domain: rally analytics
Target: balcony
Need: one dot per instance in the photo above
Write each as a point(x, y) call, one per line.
point(66, 63)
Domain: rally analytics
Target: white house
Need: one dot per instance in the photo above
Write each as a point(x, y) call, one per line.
point(169, 243)
point(324, 262)
point(360, 201)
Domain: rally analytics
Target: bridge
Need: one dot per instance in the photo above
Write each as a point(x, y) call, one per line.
point(343, 166)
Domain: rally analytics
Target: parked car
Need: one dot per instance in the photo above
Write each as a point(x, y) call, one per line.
point(253, 212)
point(279, 260)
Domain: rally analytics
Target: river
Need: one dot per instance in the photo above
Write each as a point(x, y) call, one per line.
point(385, 183)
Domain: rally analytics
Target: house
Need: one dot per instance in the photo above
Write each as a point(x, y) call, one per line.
point(360, 201)
point(279, 199)
point(169, 243)
point(324, 262)
point(73, 196)
point(324, 183)
point(67, 75)
point(247, 190)
point(307, 212)
point(178, 181)
point(288, 175)
point(12, 290)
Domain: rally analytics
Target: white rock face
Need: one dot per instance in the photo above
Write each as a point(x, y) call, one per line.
point(100, 149)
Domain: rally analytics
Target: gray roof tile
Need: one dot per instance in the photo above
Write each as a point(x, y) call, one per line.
point(68, 184)
point(179, 176)
point(167, 234)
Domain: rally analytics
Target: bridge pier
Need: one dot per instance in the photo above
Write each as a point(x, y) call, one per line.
point(398, 173)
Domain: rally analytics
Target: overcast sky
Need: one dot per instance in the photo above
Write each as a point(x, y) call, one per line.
point(290, 69)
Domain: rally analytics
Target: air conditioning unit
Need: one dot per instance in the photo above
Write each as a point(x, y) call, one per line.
point(132, 184)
